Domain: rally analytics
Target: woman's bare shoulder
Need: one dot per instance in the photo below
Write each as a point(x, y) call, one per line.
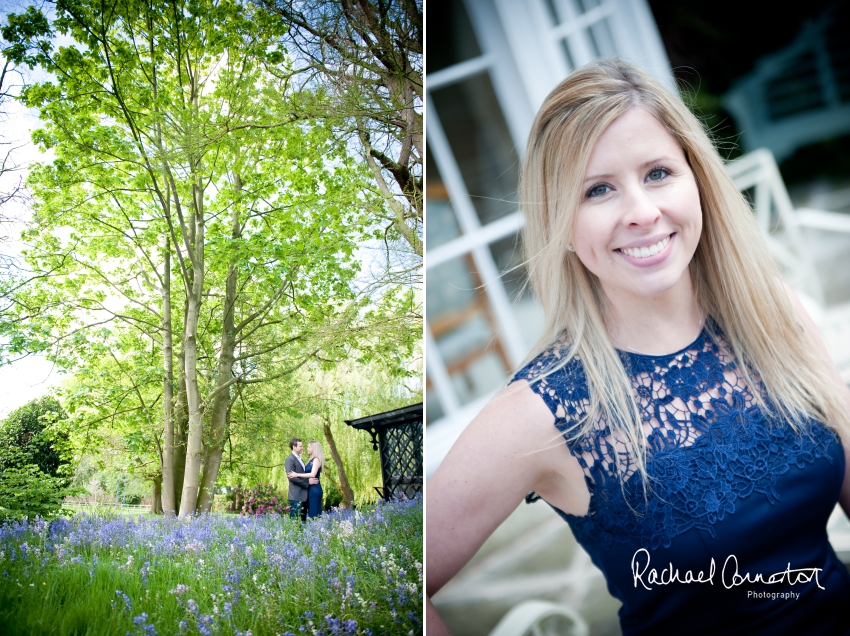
point(515, 413)
point(509, 449)
point(484, 477)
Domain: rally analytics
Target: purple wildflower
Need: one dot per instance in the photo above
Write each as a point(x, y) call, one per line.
point(127, 603)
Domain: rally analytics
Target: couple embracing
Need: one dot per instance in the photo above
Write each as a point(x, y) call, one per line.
point(305, 489)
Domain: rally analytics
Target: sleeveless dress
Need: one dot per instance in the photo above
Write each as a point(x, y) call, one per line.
point(730, 535)
point(314, 493)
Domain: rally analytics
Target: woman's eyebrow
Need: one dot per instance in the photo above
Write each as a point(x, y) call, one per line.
point(597, 176)
point(645, 164)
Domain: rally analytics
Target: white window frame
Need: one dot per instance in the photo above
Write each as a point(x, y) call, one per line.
point(522, 54)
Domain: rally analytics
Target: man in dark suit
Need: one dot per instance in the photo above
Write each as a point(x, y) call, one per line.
point(297, 485)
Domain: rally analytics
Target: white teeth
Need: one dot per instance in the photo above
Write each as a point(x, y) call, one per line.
point(643, 252)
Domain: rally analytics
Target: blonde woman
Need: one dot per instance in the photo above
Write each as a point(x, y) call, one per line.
point(313, 470)
point(681, 412)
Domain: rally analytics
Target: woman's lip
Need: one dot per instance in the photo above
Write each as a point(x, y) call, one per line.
point(649, 261)
point(646, 242)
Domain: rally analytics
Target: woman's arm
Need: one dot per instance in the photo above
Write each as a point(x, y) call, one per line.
point(512, 447)
point(813, 335)
point(316, 465)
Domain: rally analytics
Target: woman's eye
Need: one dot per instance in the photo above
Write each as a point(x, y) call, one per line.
point(656, 174)
point(598, 190)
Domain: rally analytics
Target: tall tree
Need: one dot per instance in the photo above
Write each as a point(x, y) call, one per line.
point(370, 52)
point(179, 156)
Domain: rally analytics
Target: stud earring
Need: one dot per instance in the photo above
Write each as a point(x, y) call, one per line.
point(571, 248)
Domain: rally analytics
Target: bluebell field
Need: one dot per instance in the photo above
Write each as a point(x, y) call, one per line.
point(348, 572)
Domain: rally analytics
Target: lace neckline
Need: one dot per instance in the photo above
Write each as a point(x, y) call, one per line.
point(697, 343)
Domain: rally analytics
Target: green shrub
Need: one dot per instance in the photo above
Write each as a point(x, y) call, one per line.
point(30, 430)
point(263, 499)
point(31, 468)
point(333, 497)
point(26, 491)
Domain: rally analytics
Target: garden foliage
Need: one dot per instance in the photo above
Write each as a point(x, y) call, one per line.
point(32, 481)
point(264, 499)
point(29, 430)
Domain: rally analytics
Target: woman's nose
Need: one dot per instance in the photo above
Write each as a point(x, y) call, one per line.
point(639, 209)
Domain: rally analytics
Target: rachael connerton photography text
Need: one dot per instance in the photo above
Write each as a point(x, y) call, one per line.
point(729, 576)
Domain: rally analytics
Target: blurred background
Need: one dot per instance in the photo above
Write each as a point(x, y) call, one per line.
point(772, 85)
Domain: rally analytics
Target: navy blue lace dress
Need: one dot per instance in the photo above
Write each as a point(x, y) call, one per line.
point(314, 493)
point(731, 535)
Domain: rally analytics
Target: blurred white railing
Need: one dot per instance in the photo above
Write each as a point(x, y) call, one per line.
point(783, 227)
point(537, 618)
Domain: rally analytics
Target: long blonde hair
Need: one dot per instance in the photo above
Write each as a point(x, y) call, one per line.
point(318, 452)
point(735, 279)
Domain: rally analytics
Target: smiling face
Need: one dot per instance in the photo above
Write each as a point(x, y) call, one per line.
point(639, 220)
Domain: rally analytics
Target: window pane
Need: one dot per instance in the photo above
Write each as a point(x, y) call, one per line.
point(450, 36)
point(587, 5)
point(440, 225)
point(600, 36)
point(481, 144)
point(462, 323)
point(552, 11)
point(433, 408)
point(508, 256)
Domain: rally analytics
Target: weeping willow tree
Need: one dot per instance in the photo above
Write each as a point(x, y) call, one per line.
point(315, 407)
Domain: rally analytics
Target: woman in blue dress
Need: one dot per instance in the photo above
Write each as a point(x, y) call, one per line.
point(681, 412)
point(313, 470)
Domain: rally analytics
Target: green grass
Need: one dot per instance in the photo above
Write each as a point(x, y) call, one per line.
point(72, 509)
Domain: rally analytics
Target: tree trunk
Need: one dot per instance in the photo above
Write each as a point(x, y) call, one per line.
point(181, 428)
point(221, 404)
point(168, 482)
point(156, 503)
point(194, 443)
point(345, 487)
